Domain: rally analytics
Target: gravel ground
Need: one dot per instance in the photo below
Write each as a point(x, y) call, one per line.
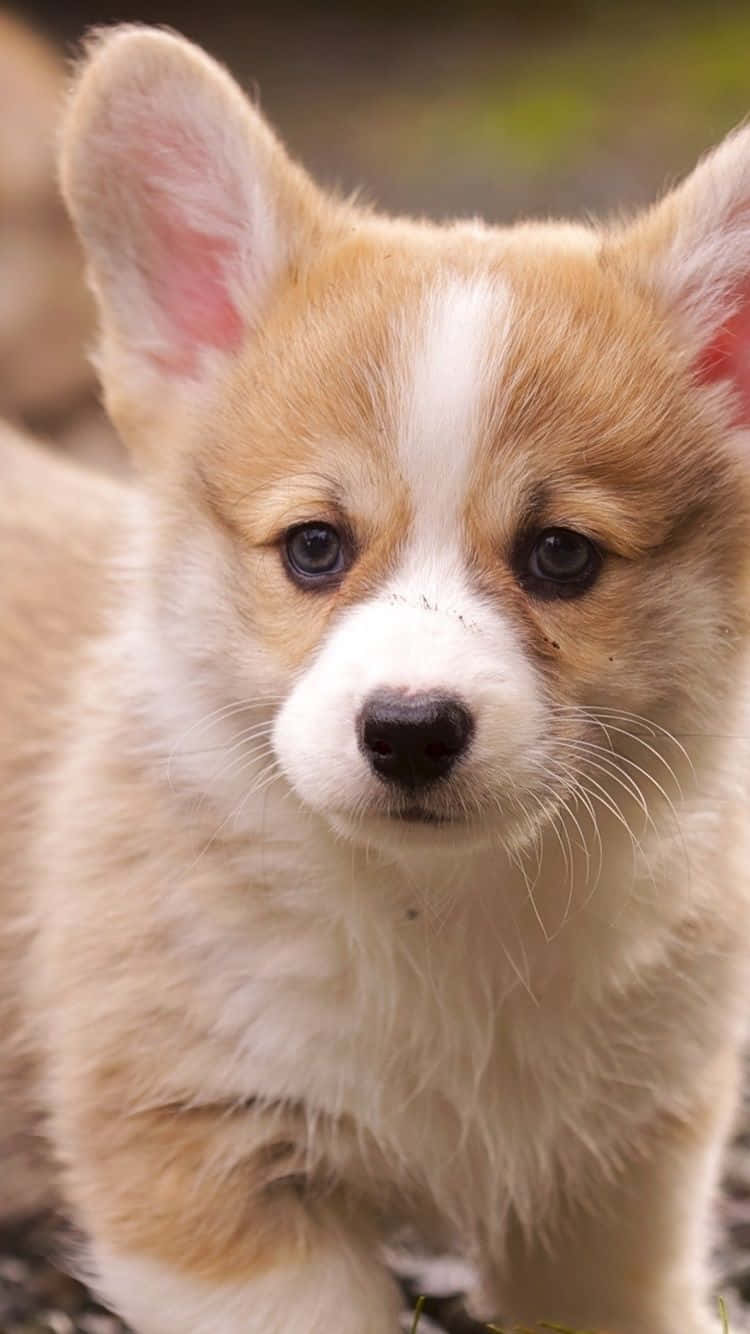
point(36, 1297)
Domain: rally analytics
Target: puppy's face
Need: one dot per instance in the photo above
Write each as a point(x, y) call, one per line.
point(469, 506)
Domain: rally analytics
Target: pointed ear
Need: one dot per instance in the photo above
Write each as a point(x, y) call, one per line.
point(188, 209)
point(693, 251)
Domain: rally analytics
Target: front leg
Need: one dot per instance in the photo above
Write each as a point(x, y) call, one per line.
point(632, 1259)
point(335, 1288)
point(201, 1222)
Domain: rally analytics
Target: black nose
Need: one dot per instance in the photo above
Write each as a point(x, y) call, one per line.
point(413, 740)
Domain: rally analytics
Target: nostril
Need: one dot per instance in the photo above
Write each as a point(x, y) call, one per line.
point(437, 750)
point(380, 747)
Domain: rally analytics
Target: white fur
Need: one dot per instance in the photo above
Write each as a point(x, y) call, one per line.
point(403, 639)
point(447, 379)
point(338, 1289)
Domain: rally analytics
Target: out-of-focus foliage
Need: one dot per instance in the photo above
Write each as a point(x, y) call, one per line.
point(502, 108)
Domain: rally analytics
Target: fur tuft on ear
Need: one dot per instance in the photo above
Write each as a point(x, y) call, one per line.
point(187, 206)
point(693, 250)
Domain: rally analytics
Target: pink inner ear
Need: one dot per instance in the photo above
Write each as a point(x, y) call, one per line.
point(176, 179)
point(190, 288)
point(727, 356)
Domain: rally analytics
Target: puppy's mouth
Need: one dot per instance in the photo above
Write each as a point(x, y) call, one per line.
point(410, 824)
point(415, 814)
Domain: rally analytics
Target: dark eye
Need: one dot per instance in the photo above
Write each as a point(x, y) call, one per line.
point(560, 563)
point(314, 551)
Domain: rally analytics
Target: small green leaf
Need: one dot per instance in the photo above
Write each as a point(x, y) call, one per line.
point(724, 1316)
point(417, 1313)
point(561, 1329)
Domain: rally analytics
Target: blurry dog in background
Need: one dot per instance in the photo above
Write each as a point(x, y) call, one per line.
point(46, 313)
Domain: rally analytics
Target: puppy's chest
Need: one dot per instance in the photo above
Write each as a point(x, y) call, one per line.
point(420, 1053)
point(399, 1073)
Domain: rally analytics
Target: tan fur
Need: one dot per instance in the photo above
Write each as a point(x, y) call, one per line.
point(214, 1223)
point(52, 603)
point(249, 1041)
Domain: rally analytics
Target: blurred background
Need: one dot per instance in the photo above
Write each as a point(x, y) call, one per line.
point(448, 108)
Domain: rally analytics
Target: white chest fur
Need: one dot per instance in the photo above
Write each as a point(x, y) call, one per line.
point(469, 1016)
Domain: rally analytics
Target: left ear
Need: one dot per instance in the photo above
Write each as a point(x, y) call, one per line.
point(190, 212)
point(693, 251)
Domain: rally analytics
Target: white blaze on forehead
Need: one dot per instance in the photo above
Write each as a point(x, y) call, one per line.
point(428, 628)
point(463, 326)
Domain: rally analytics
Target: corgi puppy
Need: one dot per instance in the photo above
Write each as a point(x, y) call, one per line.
point(375, 772)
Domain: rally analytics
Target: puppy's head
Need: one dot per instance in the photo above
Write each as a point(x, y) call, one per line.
point(469, 506)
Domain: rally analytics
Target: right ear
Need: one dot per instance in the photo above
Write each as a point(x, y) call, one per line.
point(691, 251)
point(189, 211)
